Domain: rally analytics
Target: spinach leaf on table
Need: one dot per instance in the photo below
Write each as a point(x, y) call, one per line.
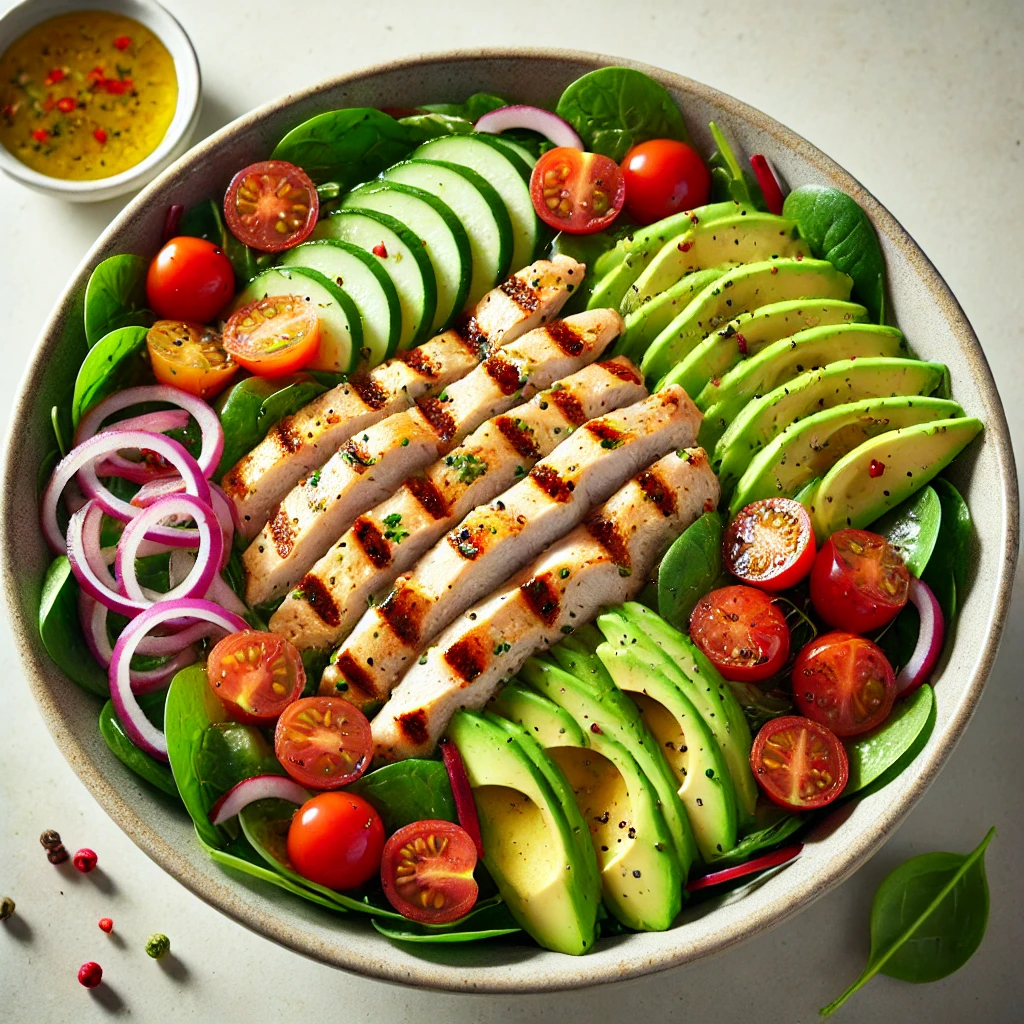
point(838, 230)
point(115, 297)
point(118, 360)
point(207, 221)
point(691, 567)
point(913, 528)
point(408, 791)
point(613, 109)
point(928, 919)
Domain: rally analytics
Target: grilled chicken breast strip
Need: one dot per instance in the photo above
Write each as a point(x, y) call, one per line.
point(308, 438)
point(605, 560)
point(371, 465)
point(495, 540)
point(389, 539)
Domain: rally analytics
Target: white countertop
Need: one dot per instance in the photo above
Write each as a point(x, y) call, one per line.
point(924, 103)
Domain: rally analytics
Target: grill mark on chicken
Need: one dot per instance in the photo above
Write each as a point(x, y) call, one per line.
point(520, 437)
point(607, 433)
point(403, 611)
point(371, 393)
point(468, 330)
point(435, 413)
point(357, 676)
point(413, 725)
point(655, 490)
point(468, 657)
point(565, 337)
point(288, 440)
point(281, 532)
point(429, 497)
point(606, 532)
point(542, 596)
point(468, 541)
point(320, 600)
point(548, 480)
point(622, 371)
point(505, 374)
point(520, 293)
point(419, 361)
point(372, 541)
point(233, 483)
point(569, 405)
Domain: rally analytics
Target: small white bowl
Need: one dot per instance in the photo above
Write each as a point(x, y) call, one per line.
point(18, 20)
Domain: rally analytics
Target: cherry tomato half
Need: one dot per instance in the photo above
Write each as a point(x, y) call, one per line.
point(256, 675)
point(770, 544)
point(742, 632)
point(798, 763)
point(323, 742)
point(274, 336)
point(859, 581)
point(271, 205)
point(189, 356)
point(575, 192)
point(189, 279)
point(663, 177)
point(845, 682)
point(336, 839)
point(427, 871)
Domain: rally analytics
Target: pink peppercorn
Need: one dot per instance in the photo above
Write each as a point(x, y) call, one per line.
point(90, 974)
point(85, 860)
point(876, 469)
point(106, 925)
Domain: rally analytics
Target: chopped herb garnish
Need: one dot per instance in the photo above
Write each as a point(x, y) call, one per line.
point(467, 466)
point(393, 531)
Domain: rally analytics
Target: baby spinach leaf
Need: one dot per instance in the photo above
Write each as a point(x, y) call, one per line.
point(913, 528)
point(487, 920)
point(118, 360)
point(899, 638)
point(472, 109)
point(761, 703)
point(690, 568)
point(115, 297)
point(207, 221)
point(874, 753)
point(947, 573)
point(760, 841)
point(728, 179)
point(839, 231)
point(408, 791)
point(928, 919)
point(155, 772)
point(432, 126)
point(61, 631)
point(348, 146)
point(614, 109)
point(63, 431)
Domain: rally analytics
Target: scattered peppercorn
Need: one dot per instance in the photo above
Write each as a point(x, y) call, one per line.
point(55, 852)
point(6, 908)
point(106, 925)
point(90, 974)
point(158, 945)
point(85, 860)
point(876, 469)
point(380, 250)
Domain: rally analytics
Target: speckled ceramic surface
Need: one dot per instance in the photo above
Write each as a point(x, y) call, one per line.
point(921, 304)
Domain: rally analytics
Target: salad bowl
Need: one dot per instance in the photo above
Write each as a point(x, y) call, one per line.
point(920, 301)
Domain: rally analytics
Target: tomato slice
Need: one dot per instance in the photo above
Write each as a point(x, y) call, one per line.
point(323, 742)
point(189, 279)
point(798, 763)
point(272, 205)
point(189, 356)
point(663, 177)
point(858, 582)
point(770, 544)
point(427, 871)
point(845, 682)
point(336, 839)
point(274, 336)
point(575, 192)
point(256, 675)
point(743, 633)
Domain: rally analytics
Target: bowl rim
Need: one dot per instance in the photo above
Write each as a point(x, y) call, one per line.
point(222, 893)
point(166, 27)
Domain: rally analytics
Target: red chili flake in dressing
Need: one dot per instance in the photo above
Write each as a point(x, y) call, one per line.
point(66, 104)
point(876, 469)
point(40, 135)
point(100, 136)
point(55, 76)
point(122, 43)
point(741, 344)
point(380, 250)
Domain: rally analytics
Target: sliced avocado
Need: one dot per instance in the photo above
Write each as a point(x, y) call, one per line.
point(746, 238)
point(886, 470)
point(547, 879)
point(602, 704)
point(742, 288)
point(640, 876)
point(708, 691)
point(782, 361)
point(745, 335)
point(811, 447)
point(806, 493)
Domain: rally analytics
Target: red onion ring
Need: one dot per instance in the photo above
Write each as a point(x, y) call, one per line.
point(536, 119)
point(140, 730)
point(219, 592)
point(769, 182)
point(142, 471)
point(259, 787)
point(929, 639)
point(89, 565)
point(222, 507)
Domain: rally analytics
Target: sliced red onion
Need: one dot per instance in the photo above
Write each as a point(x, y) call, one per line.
point(219, 592)
point(222, 506)
point(259, 787)
point(929, 639)
point(536, 119)
point(750, 867)
point(465, 806)
point(143, 470)
point(140, 730)
point(769, 182)
point(203, 414)
point(89, 565)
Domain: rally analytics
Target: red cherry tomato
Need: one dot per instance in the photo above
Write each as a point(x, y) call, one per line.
point(664, 177)
point(427, 871)
point(742, 632)
point(271, 205)
point(845, 682)
point(189, 279)
point(770, 544)
point(798, 763)
point(256, 675)
point(274, 336)
point(323, 742)
point(336, 839)
point(859, 581)
point(575, 192)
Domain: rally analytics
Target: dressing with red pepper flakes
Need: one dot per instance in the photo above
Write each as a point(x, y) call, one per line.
point(86, 95)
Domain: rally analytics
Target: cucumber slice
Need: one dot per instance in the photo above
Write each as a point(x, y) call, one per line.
point(526, 159)
point(439, 231)
point(406, 263)
point(368, 285)
point(506, 171)
point(341, 329)
point(478, 207)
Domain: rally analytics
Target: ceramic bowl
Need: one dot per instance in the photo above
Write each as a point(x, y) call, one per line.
point(19, 19)
point(921, 304)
